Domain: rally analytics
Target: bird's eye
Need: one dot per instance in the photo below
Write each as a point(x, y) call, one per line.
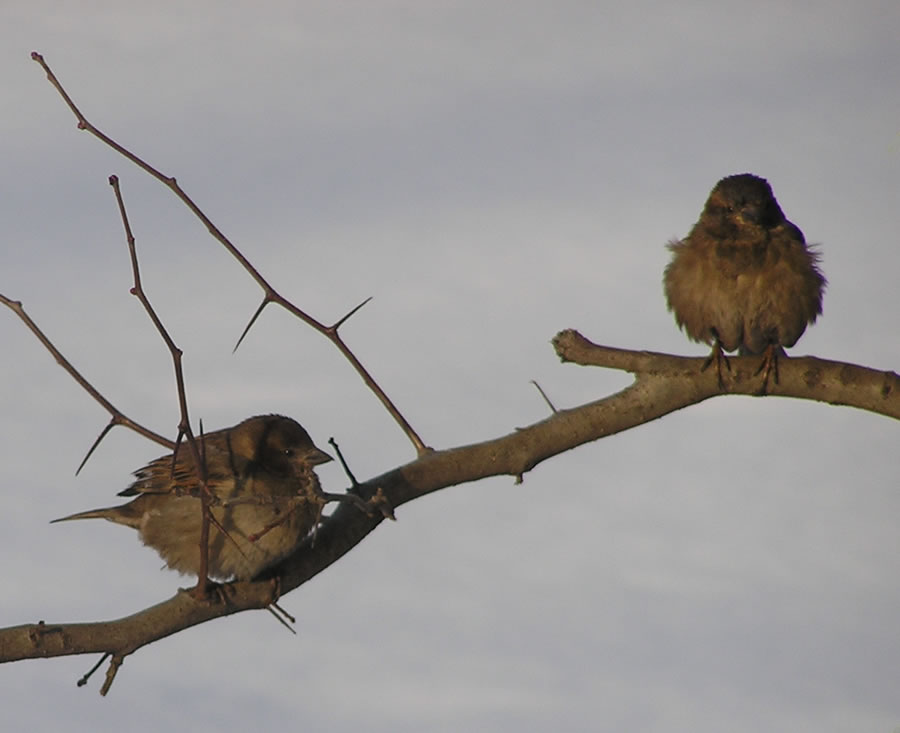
point(289, 452)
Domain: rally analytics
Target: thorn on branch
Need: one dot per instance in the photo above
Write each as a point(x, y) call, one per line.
point(544, 395)
point(259, 310)
point(344, 319)
point(109, 426)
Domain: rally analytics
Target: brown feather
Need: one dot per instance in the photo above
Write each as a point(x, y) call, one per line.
point(265, 495)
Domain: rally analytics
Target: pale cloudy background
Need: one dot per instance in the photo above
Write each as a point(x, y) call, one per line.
point(492, 172)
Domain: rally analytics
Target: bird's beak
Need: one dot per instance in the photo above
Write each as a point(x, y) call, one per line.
point(316, 456)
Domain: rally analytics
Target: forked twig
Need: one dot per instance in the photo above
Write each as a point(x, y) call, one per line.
point(111, 671)
point(270, 295)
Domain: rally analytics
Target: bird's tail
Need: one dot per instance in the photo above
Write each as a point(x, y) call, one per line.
point(113, 514)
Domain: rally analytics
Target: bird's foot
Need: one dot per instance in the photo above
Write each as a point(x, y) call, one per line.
point(769, 366)
point(207, 592)
point(379, 501)
point(719, 357)
point(376, 504)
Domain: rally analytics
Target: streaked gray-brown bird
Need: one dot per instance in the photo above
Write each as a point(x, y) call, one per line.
point(744, 277)
point(264, 495)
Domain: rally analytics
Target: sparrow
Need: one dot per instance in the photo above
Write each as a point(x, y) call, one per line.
point(744, 278)
point(264, 499)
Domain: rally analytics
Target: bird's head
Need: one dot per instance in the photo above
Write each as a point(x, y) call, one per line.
point(277, 444)
point(743, 201)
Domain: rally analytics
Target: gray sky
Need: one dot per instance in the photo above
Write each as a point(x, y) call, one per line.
point(491, 173)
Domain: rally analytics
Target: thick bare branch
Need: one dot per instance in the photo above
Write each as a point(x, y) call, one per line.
point(663, 385)
point(806, 377)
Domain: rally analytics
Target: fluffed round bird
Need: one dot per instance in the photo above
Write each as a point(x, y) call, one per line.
point(744, 278)
point(264, 495)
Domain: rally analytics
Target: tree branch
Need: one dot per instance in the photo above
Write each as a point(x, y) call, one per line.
point(808, 378)
point(270, 295)
point(662, 385)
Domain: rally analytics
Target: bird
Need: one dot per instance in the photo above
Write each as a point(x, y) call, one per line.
point(744, 278)
point(264, 499)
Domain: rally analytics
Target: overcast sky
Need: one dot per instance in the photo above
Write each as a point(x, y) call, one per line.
point(491, 172)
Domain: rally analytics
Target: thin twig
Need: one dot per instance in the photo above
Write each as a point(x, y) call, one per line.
point(353, 482)
point(184, 425)
point(87, 675)
point(282, 616)
point(118, 417)
point(544, 395)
